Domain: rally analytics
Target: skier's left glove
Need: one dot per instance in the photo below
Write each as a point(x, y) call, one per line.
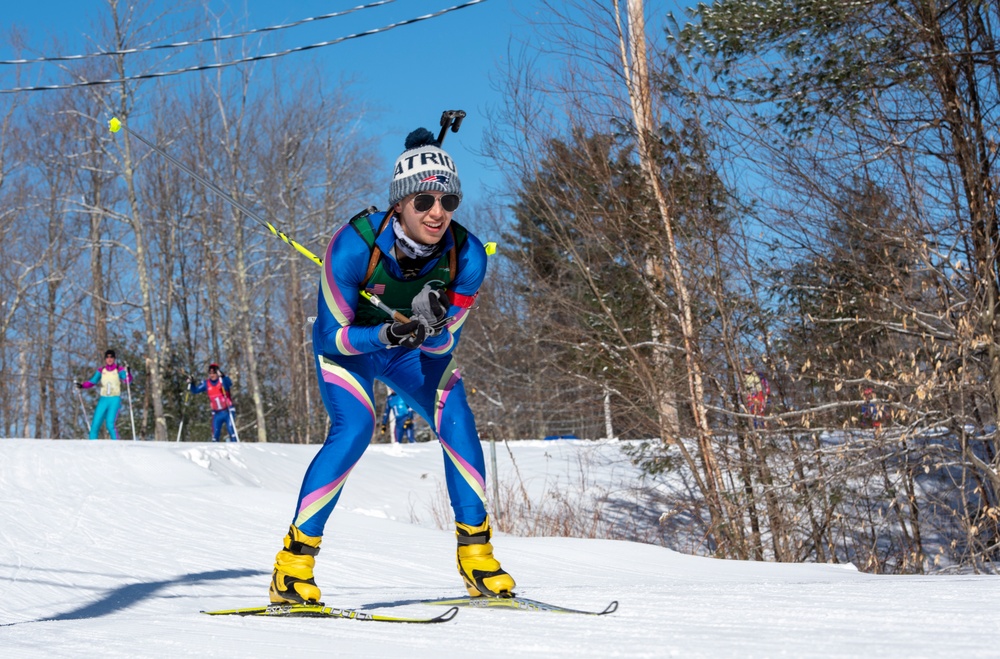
point(430, 307)
point(407, 335)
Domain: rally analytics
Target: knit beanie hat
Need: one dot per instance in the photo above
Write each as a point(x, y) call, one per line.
point(109, 353)
point(423, 166)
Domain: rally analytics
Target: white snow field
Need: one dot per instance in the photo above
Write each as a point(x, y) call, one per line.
point(111, 549)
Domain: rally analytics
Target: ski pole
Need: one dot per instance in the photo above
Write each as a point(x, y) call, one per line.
point(83, 408)
point(115, 124)
point(128, 387)
point(180, 427)
point(232, 421)
point(229, 410)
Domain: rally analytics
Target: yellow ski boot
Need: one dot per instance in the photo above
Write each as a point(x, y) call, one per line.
point(292, 581)
point(480, 571)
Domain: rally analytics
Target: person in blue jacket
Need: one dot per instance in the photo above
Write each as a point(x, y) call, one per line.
point(427, 267)
point(219, 388)
point(110, 377)
point(397, 411)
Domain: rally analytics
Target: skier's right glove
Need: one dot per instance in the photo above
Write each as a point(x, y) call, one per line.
point(430, 306)
point(78, 385)
point(407, 335)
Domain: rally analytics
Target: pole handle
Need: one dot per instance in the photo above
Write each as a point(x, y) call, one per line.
point(374, 299)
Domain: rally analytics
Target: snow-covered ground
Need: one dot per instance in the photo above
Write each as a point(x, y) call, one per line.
point(111, 549)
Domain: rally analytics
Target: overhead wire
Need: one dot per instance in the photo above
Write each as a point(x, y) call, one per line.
point(193, 42)
point(244, 60)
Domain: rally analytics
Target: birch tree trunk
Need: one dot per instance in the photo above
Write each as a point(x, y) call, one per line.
point(232, 130)
point(634, 67)
point(152, 358)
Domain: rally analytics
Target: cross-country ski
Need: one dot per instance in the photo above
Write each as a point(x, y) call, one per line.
point(322, 611)
point(518, 604)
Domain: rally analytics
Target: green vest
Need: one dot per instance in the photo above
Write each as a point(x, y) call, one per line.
point(398, 293)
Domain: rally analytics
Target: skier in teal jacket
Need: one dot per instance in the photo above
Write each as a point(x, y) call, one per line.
point(110, 377)
point(429, 268)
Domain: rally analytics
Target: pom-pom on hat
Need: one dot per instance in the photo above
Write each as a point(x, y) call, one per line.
point(423, 166)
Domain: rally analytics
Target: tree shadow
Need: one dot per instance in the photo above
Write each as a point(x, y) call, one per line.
point(126, 596)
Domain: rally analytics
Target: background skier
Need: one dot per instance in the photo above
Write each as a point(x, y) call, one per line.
point(399, 418)
point(429, 268)
point(872, 410)
point(110, 376)
point(756, 390)
point(219, 387)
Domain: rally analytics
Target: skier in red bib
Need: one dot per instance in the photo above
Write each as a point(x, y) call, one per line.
point(756, 389)
point(218, 387)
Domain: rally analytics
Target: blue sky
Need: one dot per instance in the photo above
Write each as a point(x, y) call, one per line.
point(413, 72)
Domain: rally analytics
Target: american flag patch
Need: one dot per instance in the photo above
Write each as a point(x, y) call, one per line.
point(377, 289)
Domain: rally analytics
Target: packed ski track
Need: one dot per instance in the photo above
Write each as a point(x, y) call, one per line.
point(112, 549)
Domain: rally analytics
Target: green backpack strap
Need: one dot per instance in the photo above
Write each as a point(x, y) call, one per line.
point(361, 224)
point(364, 228)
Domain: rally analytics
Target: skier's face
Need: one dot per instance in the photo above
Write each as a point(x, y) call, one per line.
point(425, 227)
point(213, 374)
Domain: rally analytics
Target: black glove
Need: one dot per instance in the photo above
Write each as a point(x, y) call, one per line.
point(78, 384)
point(407, 335)
point(430, 307)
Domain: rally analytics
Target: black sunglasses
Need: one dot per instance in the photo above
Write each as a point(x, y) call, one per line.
point(424, 202)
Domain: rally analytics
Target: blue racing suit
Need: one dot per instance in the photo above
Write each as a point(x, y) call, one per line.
point(350, 357)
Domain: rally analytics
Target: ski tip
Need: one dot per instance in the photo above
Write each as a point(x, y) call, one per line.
point(611, 608)
point(448, 615)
